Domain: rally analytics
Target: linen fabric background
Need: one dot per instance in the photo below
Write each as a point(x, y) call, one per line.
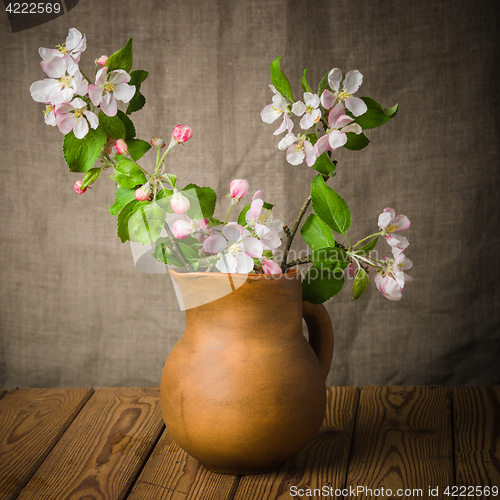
point(76, 312)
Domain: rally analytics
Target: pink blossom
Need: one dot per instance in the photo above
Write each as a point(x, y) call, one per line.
point(241, 249)
point(390, 223)
point(179, 203)
point(77, 187)
point(121, 147)
point(351, 84)
point(238, 188)
point(101, 61)
point(310, 110)
point(182, 133)
point(157, 142)
point(298, 148)
point(75, 116)
point(49, 116)
point(272, 112)
point(110, 88)
point(270, 267)
point(391, 279)
point(65, 81)
point(183, 228)
point(73, 47)
point(335, 137)
point(143, 193)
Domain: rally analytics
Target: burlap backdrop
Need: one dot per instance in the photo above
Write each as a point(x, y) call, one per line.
point(75, 311)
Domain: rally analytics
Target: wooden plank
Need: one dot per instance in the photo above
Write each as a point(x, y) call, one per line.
point(476, 425)
point(171, 474)
point(101, 453)
point(402, 442)
point(322, 465)
point(3, 392)
point(31, 423)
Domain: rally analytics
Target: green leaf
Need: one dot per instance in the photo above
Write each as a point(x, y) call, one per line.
point(319, 285)
point(324, 164)
point(280, 81)
point(128, 175)
point(121, 59)
point(330, 258)
point(137, 148)
point(123, 197)
point(123, 218)
point(304, 84)
point(367, 248)
point(164, 253)
point(375, 115)
point(355, 142)
point(81, 154)
point(190, 254)
point(146, 222)
point(323, 84)
point(90, 177)
point(172, 178)
point(202, 201)
point(329, 206)
point(112, 125)
point(316, 233)
point(129, 126)
point(138, 100)
point(361, 283)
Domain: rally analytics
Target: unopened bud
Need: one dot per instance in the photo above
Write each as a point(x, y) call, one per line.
point(77, 186)
point(270, 267)
point(121, 147)
point(182, 229)
point(182, 133)
point(157, 142)
point(238, 188)
point(101, 60)
point(179, 203)
point(143, 193)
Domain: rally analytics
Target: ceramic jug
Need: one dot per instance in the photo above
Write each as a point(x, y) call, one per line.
point(243, 390)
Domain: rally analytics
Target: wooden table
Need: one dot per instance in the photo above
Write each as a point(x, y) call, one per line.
point(111, 443)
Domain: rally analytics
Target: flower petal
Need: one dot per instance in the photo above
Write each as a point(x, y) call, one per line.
point(356, 106)
point(311, 99)
point(334, 78)
point(321, 145)
point(214, 244)
point(231, 233)
point(396, 240)
point(287, 141)
point(310, 153)
point(95, 94)
point(109, 105)
point(124, 92)
point(337, 111)
point(66, 122)
point(43, 90)
point(353, 127)
point(81, 128)
point(244, 263)
point(92, 118)
point(401, 223)
point(328, 99)
point(336, 139)
point(269, 114)
point(298, 108)
point(295, 156)
point(253, 247)
point(352, 82)
point(227, 264)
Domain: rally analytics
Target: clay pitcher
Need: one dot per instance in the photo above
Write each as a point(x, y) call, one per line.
point(243, 390)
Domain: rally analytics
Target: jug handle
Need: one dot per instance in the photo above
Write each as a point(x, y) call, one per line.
point(319, 326)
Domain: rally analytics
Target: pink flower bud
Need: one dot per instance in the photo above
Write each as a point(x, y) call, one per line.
point(121, 147)
point(179, 203)
point(182, 229)
point(101, 60)
point(142, 193)
point(182, 133)
point(157, 142)
point(352, 268)
point(78, 185)
point(270, 267)
point(238, 188)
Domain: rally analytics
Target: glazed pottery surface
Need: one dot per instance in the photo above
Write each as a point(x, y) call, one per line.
point(243, 391)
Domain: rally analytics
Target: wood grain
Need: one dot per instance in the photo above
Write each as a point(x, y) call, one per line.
point(31, 423)
point(171, 474)
point(323, 463)
point(402, 440)
point(476, 426)
point(101, 453)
